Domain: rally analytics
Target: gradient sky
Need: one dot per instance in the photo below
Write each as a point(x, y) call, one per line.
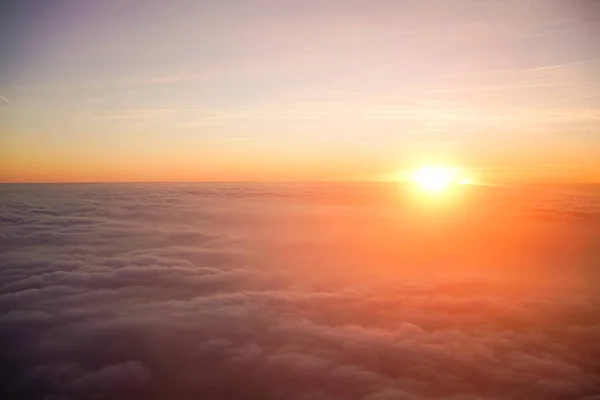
point(298, 90)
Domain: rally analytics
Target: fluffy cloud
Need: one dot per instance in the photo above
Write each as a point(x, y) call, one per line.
point(172, 291)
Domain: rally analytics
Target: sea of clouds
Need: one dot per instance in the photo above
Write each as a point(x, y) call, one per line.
point(312, 292)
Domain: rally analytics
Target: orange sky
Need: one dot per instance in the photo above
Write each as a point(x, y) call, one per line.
point(286, 91)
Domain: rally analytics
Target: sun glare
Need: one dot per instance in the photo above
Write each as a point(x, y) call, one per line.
point(436, 179)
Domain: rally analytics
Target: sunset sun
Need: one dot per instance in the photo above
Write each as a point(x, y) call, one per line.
point(436, 179)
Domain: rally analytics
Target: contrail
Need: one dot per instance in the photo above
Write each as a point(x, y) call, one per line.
point(564, 65)
point(5, 99)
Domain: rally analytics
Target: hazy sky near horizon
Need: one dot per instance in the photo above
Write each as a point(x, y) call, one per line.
point(298, 90)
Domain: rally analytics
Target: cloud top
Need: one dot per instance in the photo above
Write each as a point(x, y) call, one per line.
point(297, 292)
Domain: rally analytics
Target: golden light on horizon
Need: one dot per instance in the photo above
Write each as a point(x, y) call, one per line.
point(437, 179)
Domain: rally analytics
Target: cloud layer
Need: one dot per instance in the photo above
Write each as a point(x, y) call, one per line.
point(295, 292)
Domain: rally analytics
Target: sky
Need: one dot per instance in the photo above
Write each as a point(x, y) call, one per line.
point(240, 90)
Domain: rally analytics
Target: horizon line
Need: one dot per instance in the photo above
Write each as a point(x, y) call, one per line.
point(130, 182)
point(519, 183)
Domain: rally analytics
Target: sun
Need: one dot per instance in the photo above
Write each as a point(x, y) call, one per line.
point(436, 179)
